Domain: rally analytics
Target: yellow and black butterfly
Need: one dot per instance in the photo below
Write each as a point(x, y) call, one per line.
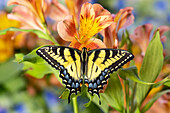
point(91, 68)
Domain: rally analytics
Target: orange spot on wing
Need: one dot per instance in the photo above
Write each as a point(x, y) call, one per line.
point(87, 84)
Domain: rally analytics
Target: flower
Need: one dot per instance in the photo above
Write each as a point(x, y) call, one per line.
point(122, 19)
point(142, 35)
point(58, 11)
point(6, 44)
point(30, 13)
point(93, 19)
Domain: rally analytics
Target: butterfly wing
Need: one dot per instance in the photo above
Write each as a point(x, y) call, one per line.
point(67, 61)
point(102, 62)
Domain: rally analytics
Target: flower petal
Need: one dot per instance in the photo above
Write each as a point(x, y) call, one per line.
point(92, 20)
point(94, 43)
point(58, 12)
point(162, 30)
point(141, 36)
point(36, 6)
point(67, 29)
point(124, 18)
point(26, 17)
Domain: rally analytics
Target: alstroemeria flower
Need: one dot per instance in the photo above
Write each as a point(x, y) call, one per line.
point(122, 19)
point(142, 35)
point(6, 44)
point(58, 12)
point(29, 12)
point(93, 19)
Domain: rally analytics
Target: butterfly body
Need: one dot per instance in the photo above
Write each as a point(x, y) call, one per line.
point(91, 68)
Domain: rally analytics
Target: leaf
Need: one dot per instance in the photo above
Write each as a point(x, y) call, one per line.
point(126, 40)
point(95, 99)
point(65, 94)
point(91, 98)
point(162, 82)
point(137, 110)
point(154, 98)
point(9, 70)
point(113, 94)
point(18, 57)
point(167, 83)
point(131, 73)
point(151, 67)
point(39, 33)
point(35, 65)
point(37, 70)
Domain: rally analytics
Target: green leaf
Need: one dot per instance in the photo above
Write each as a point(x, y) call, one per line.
point(95, 99)
point(114, 93)
point(137, 110)
point(151, 67)
point(35, 65)
point(18, 57)
point(91, 98)
point(154, 98)
point(9, 70)
point(126, 40)
point(39, 33)
point(65, 94)
point(162, 82)
point(37, 70)
point(167, 83)
point(131, 73)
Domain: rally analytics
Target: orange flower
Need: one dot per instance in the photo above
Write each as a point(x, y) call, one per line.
point(29, 12)
point(122, 19)
point(93, 19)
point(58, 12)
point(6, 44)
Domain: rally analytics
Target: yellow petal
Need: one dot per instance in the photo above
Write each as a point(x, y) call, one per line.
point(93, 20)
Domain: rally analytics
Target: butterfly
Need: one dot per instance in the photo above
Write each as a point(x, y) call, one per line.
point(91, 68)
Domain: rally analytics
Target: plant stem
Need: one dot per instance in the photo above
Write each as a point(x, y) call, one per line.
point(51, 38)
point(75, 104)
point(133, 97)
point(127, 95)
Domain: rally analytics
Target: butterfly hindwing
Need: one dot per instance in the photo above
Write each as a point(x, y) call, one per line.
point(67, 61)
point(102, 62)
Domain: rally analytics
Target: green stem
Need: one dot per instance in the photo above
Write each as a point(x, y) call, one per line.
point(75, 104)
point(133, 98)
point(51, 38)
point(127, 95)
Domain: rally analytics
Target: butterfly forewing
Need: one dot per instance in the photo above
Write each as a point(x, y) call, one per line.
point(67, 61)
point(102, 62)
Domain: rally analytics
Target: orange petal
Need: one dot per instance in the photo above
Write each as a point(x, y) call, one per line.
point(162, 30)
point(93, 18)
point(36, 6)
point(76, 44)
point(124, 18)
point(26, 17)
point(67, 29)
point(58, 12)
point(94, 43)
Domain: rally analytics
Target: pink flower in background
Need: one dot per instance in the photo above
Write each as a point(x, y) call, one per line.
point(142, 35)
point(122, 19)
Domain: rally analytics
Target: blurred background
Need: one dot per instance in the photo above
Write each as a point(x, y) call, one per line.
point(22, 93)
